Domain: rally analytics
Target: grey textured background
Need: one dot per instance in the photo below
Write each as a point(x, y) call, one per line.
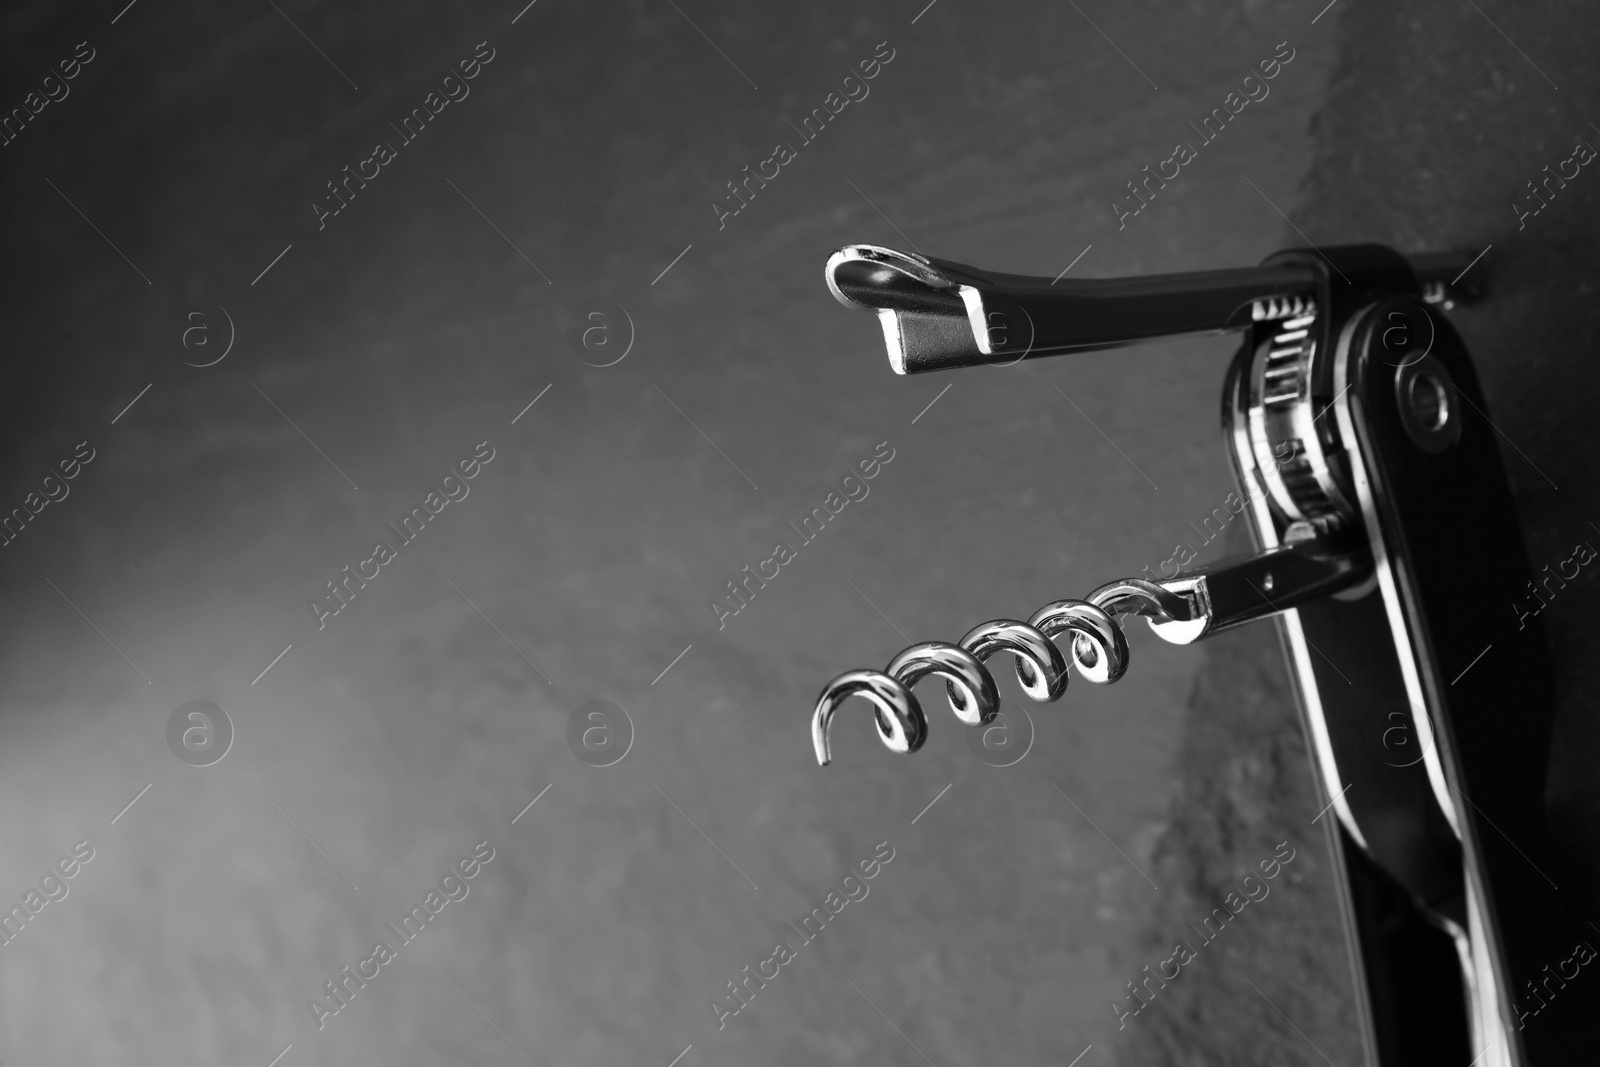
point(408, 330)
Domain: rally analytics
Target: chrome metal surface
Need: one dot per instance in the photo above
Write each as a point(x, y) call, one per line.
point(1429, 404)
point(1179, 610)
point(901, 723)
point(1099, 648)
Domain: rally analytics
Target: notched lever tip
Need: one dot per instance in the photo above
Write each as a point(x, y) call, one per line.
point(924, 319)
point(883, 279)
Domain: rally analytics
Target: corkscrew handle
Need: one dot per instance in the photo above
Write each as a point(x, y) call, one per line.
point(937, 314)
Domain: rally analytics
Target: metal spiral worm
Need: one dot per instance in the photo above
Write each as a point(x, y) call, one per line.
point(1099, 651)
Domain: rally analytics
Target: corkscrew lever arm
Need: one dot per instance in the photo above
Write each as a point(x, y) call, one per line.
point(1244, 589)
point(1180, 610)
point(937, 314)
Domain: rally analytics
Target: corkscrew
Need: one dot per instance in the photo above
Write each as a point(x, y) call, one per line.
point(1384, 525)
point(1179, 610)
